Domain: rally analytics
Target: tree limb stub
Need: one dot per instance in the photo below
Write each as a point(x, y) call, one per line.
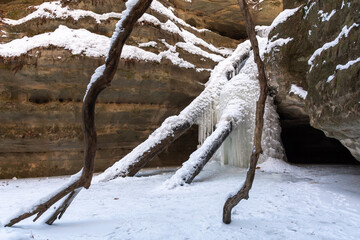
point(134, 11)
point(243, 193)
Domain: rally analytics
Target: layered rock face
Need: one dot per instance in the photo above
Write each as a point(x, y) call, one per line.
point(314, 66)
point(42, 83)
point(224, 17)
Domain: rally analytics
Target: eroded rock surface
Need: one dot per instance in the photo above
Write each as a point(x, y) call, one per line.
point(321, 56)
point(41, 89)
point(224, 17)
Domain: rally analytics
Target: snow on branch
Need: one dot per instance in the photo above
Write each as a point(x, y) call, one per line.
point(74, 178)
point(190, 115)
point(236, 111)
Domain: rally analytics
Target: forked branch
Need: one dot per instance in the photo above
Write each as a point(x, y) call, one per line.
point(243, 193)
point(99, 81)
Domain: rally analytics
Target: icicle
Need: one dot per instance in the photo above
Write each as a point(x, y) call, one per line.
point(237, 148)
point(207, 122)
point(242, 92)
point(209, 118)
point(271, 139)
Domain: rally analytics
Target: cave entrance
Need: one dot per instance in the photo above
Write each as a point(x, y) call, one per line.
point(305, 144)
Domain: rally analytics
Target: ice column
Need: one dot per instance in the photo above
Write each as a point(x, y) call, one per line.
point(236, 149)
point(271, 139)
point(243, 91)
point(207, 122)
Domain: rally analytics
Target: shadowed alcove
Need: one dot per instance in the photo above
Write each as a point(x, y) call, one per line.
point(305, 144)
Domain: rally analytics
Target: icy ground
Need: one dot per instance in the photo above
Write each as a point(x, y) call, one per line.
point(286, 202)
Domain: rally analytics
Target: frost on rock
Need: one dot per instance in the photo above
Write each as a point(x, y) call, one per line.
point(282, 17)
point(298, 91)
point(148, 44)
point(307, 9)
point(262, 31)
point(81, 41)
point(276, 43)
point(55, 10)
point(326, 16)
point(344, 33)
point(158, 7)
point(342, 67)
point(78, 41)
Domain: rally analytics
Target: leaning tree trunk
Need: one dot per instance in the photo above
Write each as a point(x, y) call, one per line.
point(243, 193)
point(198, 159)
point(153, 151)
point(174, 126)
point(99, 81)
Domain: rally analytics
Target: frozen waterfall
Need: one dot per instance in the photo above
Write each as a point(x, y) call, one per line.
point(237, 101)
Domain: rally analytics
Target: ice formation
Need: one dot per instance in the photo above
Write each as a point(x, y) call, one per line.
point(238, 101)
point(235, 108)
point(220, 75)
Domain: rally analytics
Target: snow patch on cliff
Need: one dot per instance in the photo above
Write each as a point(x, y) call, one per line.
point(282, 17)
point(78, 41)
point(55, 10)
point(298, 91)
point(344, 33)
point(341, 67)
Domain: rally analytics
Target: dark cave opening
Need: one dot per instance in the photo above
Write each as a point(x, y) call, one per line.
point(307, 145)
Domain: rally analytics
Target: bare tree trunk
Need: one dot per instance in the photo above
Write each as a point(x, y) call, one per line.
point(209, 150)
point(192, 167)
point(243, 193)
point(153, 151)
point(100, 80)
point(147, 150)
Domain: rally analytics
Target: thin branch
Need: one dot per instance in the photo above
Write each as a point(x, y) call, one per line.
point(243, 193)
point(100, 80)
point(62, 208)
point(198, 159)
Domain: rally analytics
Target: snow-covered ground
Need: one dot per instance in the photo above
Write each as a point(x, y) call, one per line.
point(286, 202)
